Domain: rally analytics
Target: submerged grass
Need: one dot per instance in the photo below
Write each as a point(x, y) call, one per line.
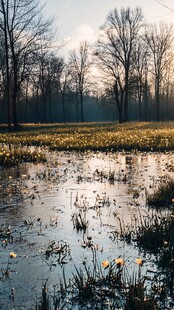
point(144, 136)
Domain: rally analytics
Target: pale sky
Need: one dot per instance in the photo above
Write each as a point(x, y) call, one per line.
point(79, 20)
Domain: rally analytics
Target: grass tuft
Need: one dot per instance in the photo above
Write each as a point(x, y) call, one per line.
point(163, 195)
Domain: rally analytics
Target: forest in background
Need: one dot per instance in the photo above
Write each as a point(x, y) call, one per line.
point(126, 75)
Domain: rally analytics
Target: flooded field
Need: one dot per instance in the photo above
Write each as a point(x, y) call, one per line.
point(74, 201)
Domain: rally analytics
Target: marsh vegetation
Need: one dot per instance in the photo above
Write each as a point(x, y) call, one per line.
point(137, 136)
point(81, 226)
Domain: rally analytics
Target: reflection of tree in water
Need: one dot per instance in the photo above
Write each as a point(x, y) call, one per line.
point(12, 186)
point(132, 167)
point(137, 165)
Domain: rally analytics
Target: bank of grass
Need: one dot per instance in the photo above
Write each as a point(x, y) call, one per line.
point(141, 136)
point(16, 156)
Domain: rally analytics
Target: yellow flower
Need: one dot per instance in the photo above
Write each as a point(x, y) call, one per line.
point(13, 255)
point(105, 264)
point(119, 261)
point(139, 261)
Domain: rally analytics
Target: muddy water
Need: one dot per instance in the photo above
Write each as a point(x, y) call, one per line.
point(38, 203)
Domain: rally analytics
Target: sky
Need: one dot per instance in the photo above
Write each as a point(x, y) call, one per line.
point(79, 20)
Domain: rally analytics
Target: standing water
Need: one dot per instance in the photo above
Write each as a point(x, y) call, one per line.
point(72, 199)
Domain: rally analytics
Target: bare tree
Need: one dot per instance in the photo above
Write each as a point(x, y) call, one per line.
point(167, 85)
point(64, 86)
point(24, 26)
point(48, 67)
point(160, 41)
point(80, 65)
point(139, 74)
point(4, 10)
point(115, 48)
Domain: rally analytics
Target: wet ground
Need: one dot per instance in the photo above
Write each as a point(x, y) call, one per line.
point(73, 201)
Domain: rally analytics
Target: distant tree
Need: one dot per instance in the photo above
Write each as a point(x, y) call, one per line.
point(146, 91)
point(48, 67)
point(64, 86)
point(54, 72)
point(160, 42)
point(115, 49)
point(139, 75)
point(80, 64)
point(167, 86)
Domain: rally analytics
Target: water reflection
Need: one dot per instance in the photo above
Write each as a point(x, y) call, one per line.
point(38, 201)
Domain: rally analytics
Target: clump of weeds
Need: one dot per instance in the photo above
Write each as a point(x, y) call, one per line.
point(60, 250)
point(163, 195)
point(80, 222)
point(104, 285)
point(6, 233)
point(137, 295)
point(154, 234)
point(6, 273)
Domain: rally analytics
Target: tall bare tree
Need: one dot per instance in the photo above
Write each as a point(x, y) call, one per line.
point(139, 75)
point(24, 26)
point(160, 41)
point(4, 10)
point(167, 86)
point(115, 49)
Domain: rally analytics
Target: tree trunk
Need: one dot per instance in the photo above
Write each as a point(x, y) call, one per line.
point(14, 99)
point(167, 103)
point(7, 86)
point(118, 103)
point(50, 106)
point(157, 100)
point(63, 106)
point(77, 105)
point(44, 107)
point(126, 118)
point(37, 108)
point(120, 117)
point(145, 100)
point(81, 106)
point(15, 80)
point(139, 109)
point(26, 102)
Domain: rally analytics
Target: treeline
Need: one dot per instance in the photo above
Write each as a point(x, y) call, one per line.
point(126, 75)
